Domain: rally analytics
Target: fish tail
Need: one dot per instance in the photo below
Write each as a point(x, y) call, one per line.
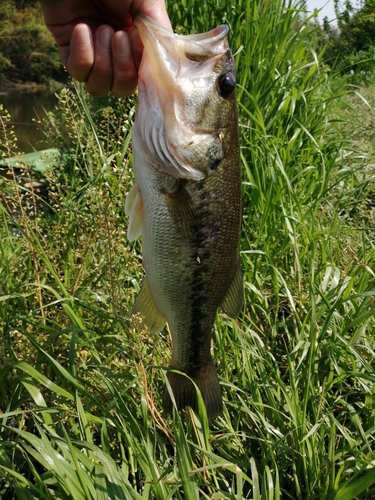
point(185, 393)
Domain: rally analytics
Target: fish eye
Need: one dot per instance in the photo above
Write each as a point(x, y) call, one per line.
point(226, 84)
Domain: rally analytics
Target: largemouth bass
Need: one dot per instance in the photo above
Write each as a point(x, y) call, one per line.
point(186, 202)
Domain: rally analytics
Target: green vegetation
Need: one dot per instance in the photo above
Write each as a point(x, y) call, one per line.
point(80, 387)
point(28, 52)
point(349, 47)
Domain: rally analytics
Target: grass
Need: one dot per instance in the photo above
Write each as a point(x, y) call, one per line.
point(80, 387)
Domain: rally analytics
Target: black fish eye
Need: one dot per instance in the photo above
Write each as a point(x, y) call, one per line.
point(226, 84)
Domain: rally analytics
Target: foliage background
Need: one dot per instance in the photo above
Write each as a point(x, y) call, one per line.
point(27, 50)
point(80, 387)
point(349, 47)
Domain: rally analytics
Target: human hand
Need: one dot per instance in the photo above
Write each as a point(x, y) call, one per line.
point(98, 42)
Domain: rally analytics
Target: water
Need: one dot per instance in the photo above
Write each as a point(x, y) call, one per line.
point(23, 107)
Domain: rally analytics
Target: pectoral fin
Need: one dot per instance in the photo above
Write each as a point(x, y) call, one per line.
point(234, 300)
point(145, 305)
point(134, 210)
point(183, 211)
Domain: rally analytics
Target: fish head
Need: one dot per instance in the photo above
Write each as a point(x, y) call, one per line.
point(187, 103)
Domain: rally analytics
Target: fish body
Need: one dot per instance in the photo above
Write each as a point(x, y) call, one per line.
point(186, 202)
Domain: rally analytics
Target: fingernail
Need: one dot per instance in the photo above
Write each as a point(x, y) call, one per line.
point(121, 44)
point(105, 35)
point(83, 35)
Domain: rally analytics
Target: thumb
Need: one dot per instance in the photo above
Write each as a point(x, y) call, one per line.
point(157, 11)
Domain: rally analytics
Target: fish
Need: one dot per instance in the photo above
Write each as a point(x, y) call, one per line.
point(186, 201)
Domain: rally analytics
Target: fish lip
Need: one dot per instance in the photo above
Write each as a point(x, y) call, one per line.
point(216, 34)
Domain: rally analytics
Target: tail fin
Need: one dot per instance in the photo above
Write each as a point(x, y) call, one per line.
point(185, 392)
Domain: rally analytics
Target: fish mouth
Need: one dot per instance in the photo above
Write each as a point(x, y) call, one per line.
point(166, 50)
point(157, 40)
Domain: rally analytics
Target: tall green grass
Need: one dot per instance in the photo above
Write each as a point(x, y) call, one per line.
point(80, 387)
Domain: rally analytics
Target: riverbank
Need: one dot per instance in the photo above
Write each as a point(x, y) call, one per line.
point(28, 52)
point(8, 86)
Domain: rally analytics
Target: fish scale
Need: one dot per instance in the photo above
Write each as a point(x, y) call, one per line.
point(186, 201)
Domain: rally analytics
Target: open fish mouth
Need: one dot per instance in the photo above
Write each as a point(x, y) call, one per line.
point(168, 49)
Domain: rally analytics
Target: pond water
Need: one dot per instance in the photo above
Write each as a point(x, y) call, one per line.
point(23, 107)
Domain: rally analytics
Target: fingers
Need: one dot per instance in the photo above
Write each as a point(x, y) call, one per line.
point(104, 62)
point(137, 46)
point(124, 71)
point(157, 11)
point(154, 9)
point(99, 80)
point(79, 57)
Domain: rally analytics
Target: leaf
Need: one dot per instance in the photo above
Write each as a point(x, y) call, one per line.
point(356, 486)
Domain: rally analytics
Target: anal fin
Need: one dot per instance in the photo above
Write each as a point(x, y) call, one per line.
point(134, 210)
point(234, 300)
point(145, 305)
